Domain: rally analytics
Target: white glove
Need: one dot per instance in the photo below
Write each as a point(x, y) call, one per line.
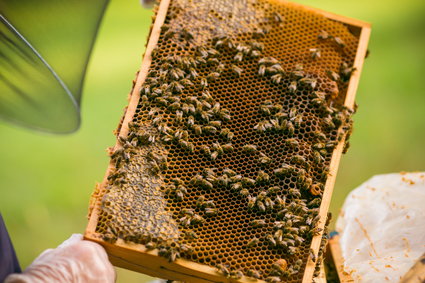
point(381, 225)
point(75, 260)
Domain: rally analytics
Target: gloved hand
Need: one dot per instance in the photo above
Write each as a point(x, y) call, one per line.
point(381, 226)
point(75, 260)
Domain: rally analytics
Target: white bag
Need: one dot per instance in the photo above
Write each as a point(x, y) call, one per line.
point(382, 227)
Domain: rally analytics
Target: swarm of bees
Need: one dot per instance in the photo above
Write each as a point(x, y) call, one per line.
point(186, 116)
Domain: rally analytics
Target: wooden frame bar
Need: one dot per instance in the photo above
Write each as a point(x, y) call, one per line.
point(135, 256)
point(335, 255)
point(336, 157)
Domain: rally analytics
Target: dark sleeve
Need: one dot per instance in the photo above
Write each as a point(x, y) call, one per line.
point(8, 260)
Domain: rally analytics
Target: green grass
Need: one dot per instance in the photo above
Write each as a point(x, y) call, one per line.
point(46, 180)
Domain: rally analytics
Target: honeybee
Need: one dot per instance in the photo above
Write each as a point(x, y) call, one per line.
point(280, 202)
point(236, 178)
point(262, 177)
point(223, 269)
point(273, 190)
point(229, 172)
point(253, 273)
point(264, 160)
point(292, 143)
point(315, 53)
point(213, 61)
point(333, 76)
point(204, 82)
point(318, 158)
point(253, 242)
point(298, 159)
point(249, 148)
point(309, 82)
point(269, 203)
point(237, 274)
point(150, 245)
point(197, 219)
point(258, 223)
point(294, 192)
point(346, 71)
point(251, 202)
point(315, 231)
point(244, 192)
point(258, 33)
point(297, 74)
point(314, 203)
point(180, 192)
point(238, 57)
point(236, 186)
point(315, 220)
point(262, 70)
point(213, 76)
point(210, 211)
point(264, 126)
point(200, 202)
point(271, 240)
point(186, 248)
point(167, 35)
point(206, 184)
point(306, 184)
point(339, 42)
point(220, 68)
point(346, 147)
point(222, 181)
point(187, 145)
point(185, 221)
point(276, 79)
point(292, 87)
point(312, 255)
point(277, 17)
point(191, 234)
point(273, 279)
point(268, 61)
point(261, 206)
point(173, 255)
point(284, 171)
point(197, 129)
point(185, 34)
point(228, 147)
point(144, 100)
point(290, 129)
point(248, 182)
point(320, 136)
point(236, 70)
point(255, 54)
point(323, 35)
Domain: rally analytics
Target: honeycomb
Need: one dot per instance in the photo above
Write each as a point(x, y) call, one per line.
point(228, 152)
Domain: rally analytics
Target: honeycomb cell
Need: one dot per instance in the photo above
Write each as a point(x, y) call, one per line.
point(237, 121)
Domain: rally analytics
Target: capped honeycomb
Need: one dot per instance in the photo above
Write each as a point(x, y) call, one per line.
point(226, 158)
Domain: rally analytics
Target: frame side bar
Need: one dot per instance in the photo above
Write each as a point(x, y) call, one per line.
point(336, 156)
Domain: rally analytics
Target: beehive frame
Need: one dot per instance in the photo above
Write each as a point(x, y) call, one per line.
point(135, 256)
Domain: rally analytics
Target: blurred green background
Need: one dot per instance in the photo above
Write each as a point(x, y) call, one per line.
point(46, 180)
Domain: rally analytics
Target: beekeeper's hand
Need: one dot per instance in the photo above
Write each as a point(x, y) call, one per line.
point(75, 260)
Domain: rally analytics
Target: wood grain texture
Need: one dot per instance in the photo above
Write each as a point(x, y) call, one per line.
point(135, 256)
